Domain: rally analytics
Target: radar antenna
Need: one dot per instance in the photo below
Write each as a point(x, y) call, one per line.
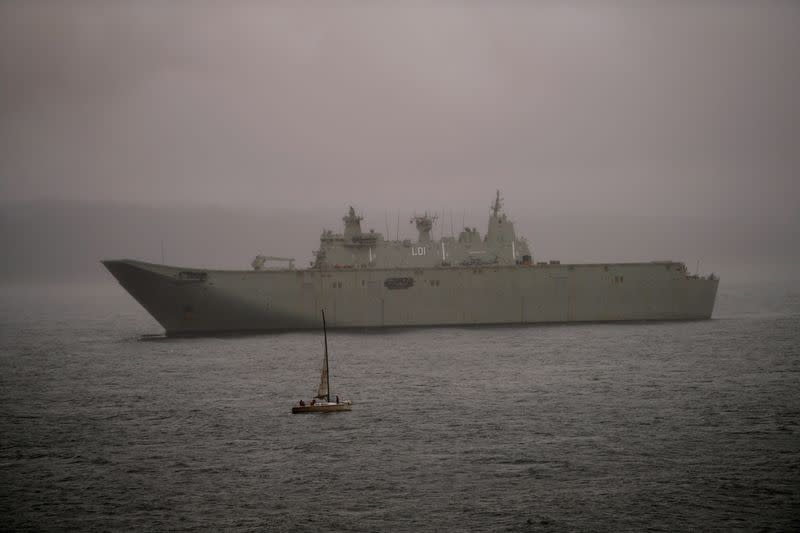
point(424, 224)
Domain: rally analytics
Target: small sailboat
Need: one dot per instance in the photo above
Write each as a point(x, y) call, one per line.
point(322, 401)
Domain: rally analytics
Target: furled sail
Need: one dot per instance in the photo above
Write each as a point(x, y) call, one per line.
point(322, 390)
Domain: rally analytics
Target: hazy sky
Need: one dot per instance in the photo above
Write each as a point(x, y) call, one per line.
point(628, 107)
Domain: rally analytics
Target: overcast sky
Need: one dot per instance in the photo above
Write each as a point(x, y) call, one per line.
point(638, 107)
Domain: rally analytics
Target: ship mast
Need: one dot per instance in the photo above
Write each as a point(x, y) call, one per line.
point(497, 205)
point(327, 368)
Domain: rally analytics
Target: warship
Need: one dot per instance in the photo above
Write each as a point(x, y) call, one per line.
point(363, 280)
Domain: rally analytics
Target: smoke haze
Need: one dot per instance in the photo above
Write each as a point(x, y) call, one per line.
point(615, 130)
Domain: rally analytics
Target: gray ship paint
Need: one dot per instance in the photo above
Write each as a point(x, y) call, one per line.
point(362, 280)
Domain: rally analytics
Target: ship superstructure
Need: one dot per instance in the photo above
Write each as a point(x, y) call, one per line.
point(357, 249)
point(363, 280)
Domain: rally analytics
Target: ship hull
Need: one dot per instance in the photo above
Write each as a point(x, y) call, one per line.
point(323, 407)
point(194, 301)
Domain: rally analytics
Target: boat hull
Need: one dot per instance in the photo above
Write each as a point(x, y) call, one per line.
point(323, 408)
point(187, 301)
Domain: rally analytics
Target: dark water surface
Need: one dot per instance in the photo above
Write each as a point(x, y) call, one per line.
point(602, 427)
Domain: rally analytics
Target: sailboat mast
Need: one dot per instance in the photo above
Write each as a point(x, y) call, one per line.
point(327, 368)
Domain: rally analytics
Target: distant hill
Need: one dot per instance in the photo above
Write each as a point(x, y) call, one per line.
point(53, 241)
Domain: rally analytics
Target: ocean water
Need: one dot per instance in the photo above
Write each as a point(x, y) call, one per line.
point(596, 427)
